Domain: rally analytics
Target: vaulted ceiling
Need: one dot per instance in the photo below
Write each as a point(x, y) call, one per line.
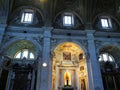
point(86, 9)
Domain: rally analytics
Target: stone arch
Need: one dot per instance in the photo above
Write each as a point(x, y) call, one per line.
point(67, 10)
point(72, 41)
point(79, 24)
point(112, 49)
point(109, 65)
point(103, 44)
point(15, 17)
point(33, 42)
point(68, 57)
point(114, 22)
point(106, 14)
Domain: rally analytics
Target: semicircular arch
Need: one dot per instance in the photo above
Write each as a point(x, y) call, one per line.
point(17, 44)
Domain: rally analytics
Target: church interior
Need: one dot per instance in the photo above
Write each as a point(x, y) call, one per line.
point(59, 44)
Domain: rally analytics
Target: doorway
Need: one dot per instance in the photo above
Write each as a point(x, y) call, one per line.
point(69, 67)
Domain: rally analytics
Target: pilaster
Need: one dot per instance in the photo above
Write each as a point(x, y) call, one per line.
point(94, 69)
point(2, 30)
point(38, 74)
point(4, 9)
point(44, 84)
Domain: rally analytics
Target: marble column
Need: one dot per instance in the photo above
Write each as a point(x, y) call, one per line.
point(44, 84)
point(4, 10)
point(93, 64)
point(2, 30)
point(9, 80)
point(38, 74)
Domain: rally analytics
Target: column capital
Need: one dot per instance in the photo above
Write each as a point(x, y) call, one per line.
point(47, 31)
point(3, 25)
point(90, 34)
point(48, 28)
point(90, 31)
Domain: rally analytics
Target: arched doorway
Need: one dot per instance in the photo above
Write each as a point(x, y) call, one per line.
point(18, 72)
point(67, 79)
point(69, 70)
point(109, 64)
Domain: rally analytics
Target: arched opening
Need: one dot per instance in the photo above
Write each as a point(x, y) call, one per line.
point(67, 79)
point(24, 53)
point(68, 20)
point(26, 15)
point(20, 49)
point(19, 71)
point(109, 64)
point(69, 68)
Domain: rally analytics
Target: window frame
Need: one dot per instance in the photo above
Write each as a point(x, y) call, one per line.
point(22, 56)
point(23, 16)
point(107, 56)
point(67, 15)
point(109, 23)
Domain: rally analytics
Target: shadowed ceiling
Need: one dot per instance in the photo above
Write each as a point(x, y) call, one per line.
point(86, 9)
